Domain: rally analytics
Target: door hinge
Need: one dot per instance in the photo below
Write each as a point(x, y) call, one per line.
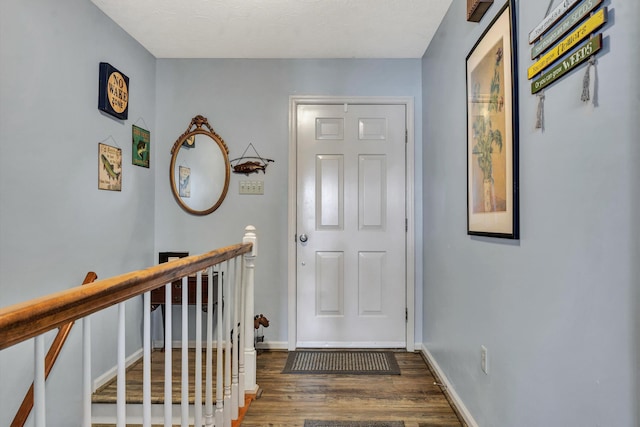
point(406, 315)
point(406, 136)
point(406, 225)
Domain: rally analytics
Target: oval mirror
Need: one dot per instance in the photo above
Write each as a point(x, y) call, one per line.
point(200, 169)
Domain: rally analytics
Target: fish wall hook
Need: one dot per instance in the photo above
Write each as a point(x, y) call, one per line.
point(247, 167)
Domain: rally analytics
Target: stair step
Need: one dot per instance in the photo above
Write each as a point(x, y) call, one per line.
point(108, 391)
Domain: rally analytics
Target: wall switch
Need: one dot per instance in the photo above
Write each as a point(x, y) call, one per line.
point(251, 187)
point(484, 359)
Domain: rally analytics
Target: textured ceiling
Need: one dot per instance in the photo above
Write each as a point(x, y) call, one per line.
point(279, 28)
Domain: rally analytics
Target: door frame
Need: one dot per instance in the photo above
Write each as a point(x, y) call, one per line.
point(410, 284)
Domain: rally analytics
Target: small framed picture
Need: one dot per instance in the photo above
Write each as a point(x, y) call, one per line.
point(184, 182)
point(171, 256)
point(141, 140)
point(113, 91)
point(109, 167)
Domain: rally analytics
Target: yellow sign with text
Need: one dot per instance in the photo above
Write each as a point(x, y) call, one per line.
point(583, 31)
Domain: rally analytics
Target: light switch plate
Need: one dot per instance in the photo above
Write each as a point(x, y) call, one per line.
point(251, 187)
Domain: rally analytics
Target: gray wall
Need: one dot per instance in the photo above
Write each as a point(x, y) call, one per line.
point(55, 225)
point(558, 309)
point(247, 101)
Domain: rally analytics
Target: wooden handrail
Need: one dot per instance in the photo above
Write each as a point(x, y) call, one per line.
point(22, 321)
point(49, 361)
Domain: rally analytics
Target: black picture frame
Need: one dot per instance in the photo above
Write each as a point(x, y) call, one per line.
point(492, 130)
point(170, 256)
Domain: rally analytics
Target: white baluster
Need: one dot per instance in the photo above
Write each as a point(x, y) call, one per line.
point(184, 393)
point(208, 409)
point(146, 361)
point(39, 406)
point(241, 372)
point(227, 354)
point(121, 391)
point(197, 416)
point(168, 392)
point(235, 346)
point(249, 350)
point(219, 368)
point(86, 372)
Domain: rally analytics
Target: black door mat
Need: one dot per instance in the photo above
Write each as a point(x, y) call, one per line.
point(342, 362)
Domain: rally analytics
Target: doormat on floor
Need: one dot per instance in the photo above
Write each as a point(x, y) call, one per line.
point(342, 362)
point(315, 423)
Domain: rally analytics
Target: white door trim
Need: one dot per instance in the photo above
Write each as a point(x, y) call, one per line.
point(294, 101)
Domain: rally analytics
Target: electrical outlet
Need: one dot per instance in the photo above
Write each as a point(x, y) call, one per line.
point(484, 359)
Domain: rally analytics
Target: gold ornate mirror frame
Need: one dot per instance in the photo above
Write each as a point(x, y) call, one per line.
point(200, 126)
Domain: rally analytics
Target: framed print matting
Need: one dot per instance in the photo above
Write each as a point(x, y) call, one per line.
point(492, 131)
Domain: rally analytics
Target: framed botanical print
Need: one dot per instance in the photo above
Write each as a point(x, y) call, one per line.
point(492, 130)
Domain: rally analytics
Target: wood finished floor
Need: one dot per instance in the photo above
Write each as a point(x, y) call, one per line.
point(286, 400)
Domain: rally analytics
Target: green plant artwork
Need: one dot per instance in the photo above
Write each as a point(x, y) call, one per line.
point(487, 131)
point(485, 138)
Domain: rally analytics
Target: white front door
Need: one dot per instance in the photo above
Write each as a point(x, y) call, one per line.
point(351, 226)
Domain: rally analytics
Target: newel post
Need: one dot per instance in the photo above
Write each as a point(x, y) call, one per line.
point(250, 385)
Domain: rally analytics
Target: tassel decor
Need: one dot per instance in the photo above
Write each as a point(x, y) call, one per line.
point(586, 81)
point(540, 112)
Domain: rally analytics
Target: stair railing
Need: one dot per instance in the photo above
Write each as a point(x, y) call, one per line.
point(50, 360)
point(32, 319)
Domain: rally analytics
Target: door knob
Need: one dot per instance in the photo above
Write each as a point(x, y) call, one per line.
point(303, 238)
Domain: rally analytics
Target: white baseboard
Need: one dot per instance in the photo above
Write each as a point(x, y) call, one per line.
point(111, 373)
point(284, 345)
point(269, 345)
point(449, 390)
point(272, 345)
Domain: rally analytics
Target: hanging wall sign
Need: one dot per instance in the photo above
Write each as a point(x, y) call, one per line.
point(113, 92)
point(551, 19)
point(141, 139)
point(582, 32)
point(581, 54)
point(109, 167)
point(564, 26)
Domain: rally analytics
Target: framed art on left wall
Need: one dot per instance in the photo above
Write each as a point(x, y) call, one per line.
point(113, 91)
point(109, 167)
point(141, 141)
